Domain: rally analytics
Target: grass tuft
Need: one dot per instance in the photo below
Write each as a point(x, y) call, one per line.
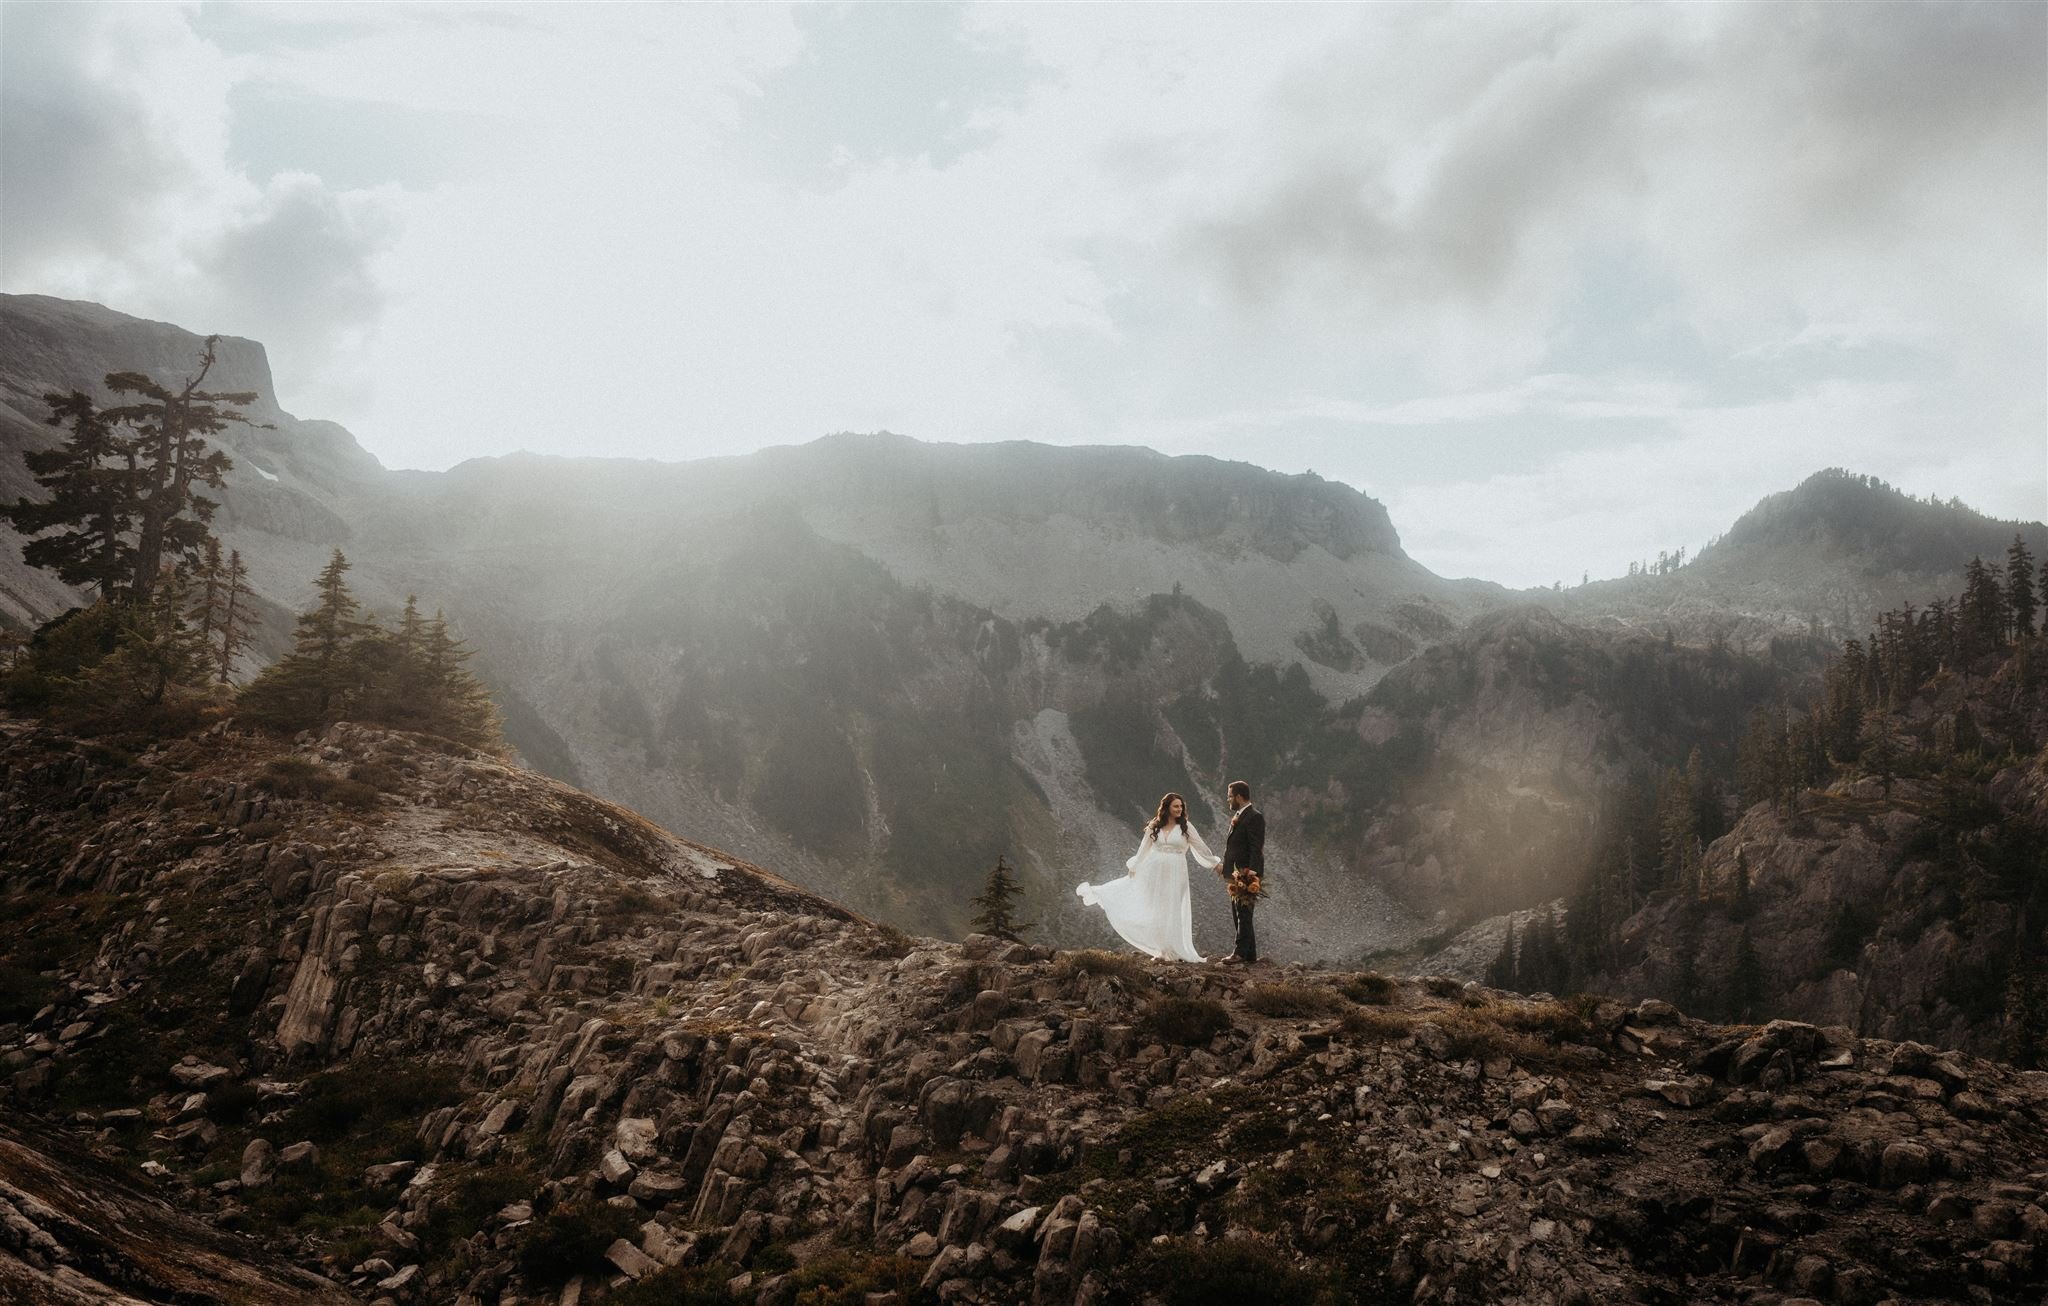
point(1295, 1001)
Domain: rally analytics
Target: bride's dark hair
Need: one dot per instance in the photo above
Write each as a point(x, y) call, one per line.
point(1165, 813)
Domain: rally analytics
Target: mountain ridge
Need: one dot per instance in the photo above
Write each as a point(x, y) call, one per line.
point(1126, 621)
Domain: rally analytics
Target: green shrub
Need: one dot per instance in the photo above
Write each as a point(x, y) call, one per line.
point(365, 1095)
point(381, 776)
point(230, 1104)
point(571, 1239)
point(290, 777)
point(1368, 1026)
point(1227, 1273)
point(891, 942)
point(847, 1278)
point(23, 992)
point(472, 1199)
point(1369, 988)
point(296, 777)
point(1188, 1022)
point(1300, 1001)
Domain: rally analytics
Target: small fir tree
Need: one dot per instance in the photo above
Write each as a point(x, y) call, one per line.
point(1500, 972)
point(1746, 979)
point(997, 904)
point(2020, 595)
point(312, 683)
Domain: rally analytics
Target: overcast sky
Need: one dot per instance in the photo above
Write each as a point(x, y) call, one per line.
point(1562, 287)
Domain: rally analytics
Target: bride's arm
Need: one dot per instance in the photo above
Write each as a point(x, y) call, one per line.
point(1144, 846)
point(1201, 851)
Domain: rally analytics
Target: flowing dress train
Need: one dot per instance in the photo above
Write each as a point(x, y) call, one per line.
point(1149, 907)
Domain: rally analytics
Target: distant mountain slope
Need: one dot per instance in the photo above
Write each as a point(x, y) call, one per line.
point(1827, 556)
point(878, 662)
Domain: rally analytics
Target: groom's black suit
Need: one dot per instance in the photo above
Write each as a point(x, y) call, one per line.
point(1245, 846)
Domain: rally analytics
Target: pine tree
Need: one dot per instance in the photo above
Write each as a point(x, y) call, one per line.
point(1760, 759)
point(1500, 972)
point(1738, 902)
point(1677, 826)
point(173, 459)
point(1844, 703)
point(312, 683)
point(209, 605)
point(1746, 979)
point(461, 709)
point(238, 607)
point(997, 902)
point(156, 651)
point(1982, 614)
point(2024, 1026)
point(1881, 746)
point(2020, 595)
point(82, 530)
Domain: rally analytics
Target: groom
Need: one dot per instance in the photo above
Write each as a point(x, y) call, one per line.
point(1243, 867)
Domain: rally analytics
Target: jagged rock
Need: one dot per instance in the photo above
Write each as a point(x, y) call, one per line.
point(259, 1163)
point(193, 1073)
point(632, 1262)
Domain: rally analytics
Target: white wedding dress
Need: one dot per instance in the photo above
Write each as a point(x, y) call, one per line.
point(1149, 907)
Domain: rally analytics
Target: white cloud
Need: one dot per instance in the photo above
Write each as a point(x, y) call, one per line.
point(1472, 258)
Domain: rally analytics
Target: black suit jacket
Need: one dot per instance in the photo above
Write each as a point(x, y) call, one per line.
point(1246, 845)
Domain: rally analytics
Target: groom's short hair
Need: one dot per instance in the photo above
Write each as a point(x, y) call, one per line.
point(1239, 789)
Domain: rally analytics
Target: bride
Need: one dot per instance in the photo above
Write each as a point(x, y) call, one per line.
point(1149, 907)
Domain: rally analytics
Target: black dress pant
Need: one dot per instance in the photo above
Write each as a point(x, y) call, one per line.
point(1241, 916)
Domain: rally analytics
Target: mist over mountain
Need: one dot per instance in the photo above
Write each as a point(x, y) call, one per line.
point(877, 663)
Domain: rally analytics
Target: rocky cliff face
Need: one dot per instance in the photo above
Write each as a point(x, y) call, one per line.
point(437, 1029)
point(1509, 736)
point(1887, 908)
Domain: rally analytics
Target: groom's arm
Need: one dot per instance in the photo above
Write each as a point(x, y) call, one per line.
point(1256, 836)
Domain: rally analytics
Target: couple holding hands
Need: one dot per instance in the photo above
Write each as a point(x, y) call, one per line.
point(1150, 908)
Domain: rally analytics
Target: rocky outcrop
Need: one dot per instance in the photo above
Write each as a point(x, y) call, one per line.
point(556, 1052)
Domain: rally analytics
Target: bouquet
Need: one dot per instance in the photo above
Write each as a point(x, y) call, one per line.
point(1245, 885)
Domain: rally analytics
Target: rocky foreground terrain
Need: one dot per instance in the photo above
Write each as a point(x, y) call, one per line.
point(365, 1017)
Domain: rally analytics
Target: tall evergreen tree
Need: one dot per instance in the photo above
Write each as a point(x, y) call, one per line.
point(312, 683)
point(1746, 979)
point(462, 707)
point(237, 617)
point(1500, 972)
point(1982, 614)
point(997, 903)
point(83, 529)
point(173, 460)
point(2020, 595)
point(1881, 746)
